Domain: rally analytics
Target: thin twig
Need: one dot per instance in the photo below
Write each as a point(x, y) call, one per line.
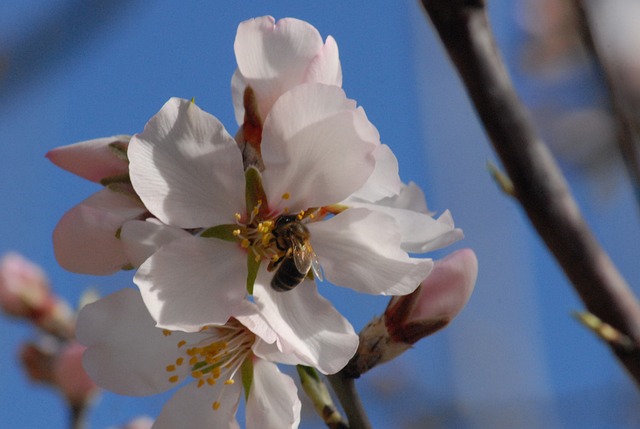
point(345, 389)
point(538, 183)
point(628, 132)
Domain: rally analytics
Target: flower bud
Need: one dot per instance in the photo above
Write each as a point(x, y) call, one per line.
point(37, 360)
point(438, 299)
point(96, 160)
point(407, 319)
point(25, 293)
point(70, 377)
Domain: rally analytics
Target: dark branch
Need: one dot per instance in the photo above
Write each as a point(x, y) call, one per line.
point(538, 184)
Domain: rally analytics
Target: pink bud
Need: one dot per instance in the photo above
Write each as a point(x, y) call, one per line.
point(25, 293)
point(70, 377)
point(37, 361)
point(438, 299)
point(93, 160)
point(24, 289)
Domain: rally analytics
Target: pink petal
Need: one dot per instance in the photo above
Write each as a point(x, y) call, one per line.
point(92, 159)
point(447, 288)
point(85, 241)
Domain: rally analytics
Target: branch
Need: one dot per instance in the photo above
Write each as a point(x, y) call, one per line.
point(345, 389)
point(628, 132)
point(538, 183)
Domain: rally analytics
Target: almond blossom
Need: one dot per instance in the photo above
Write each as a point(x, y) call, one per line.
point(317, 149)
point(128, 355)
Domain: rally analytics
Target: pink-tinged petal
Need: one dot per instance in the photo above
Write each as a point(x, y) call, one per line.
point(438, 299)
point(193, 282)
point(84, 241)
point(360, 249)
point(274, 57)
point(126, 353)
point(70, 377)
point(192, 407)
point(384, 182)
point(273, 399)
point(308, 326)
point(142, 239)
point(92, 159)
point(186, 168)
point(325, 67)
point(317, 148)
point(447, 288)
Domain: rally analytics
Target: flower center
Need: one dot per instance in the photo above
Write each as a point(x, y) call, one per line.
point(216, 357)
point(264, 236)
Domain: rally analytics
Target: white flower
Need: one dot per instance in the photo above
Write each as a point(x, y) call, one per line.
point(128, 355)
point(317, 149)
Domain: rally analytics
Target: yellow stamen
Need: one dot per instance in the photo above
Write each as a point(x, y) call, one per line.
point(181, 343)
point(286, 196)
point(171, 368)
point(200, 382)
point(179, 361)
point(229, 382)
point(216, 405)
point(174, 379)
point(166, 332)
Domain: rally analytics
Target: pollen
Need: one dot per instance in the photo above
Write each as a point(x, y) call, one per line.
point(286, 196)
point(215, 358)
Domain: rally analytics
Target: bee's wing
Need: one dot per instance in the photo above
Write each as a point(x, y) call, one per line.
point(305, 259)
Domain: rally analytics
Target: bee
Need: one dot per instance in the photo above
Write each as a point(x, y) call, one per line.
point(292, 237)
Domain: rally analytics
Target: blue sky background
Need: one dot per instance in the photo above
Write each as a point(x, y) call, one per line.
point(76, 70)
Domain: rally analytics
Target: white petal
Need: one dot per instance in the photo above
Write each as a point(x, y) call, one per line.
point(192, 282)
point(126, 353)
point(142, 239)
point(325, 67)
point(360, 249)
point(384, 181)
point(186, 168)
point(308, 325)
point(273, 399)
point(317, 148)
point(191, 407)
point(274, 57)
point(85, 240)
point(419, 231)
